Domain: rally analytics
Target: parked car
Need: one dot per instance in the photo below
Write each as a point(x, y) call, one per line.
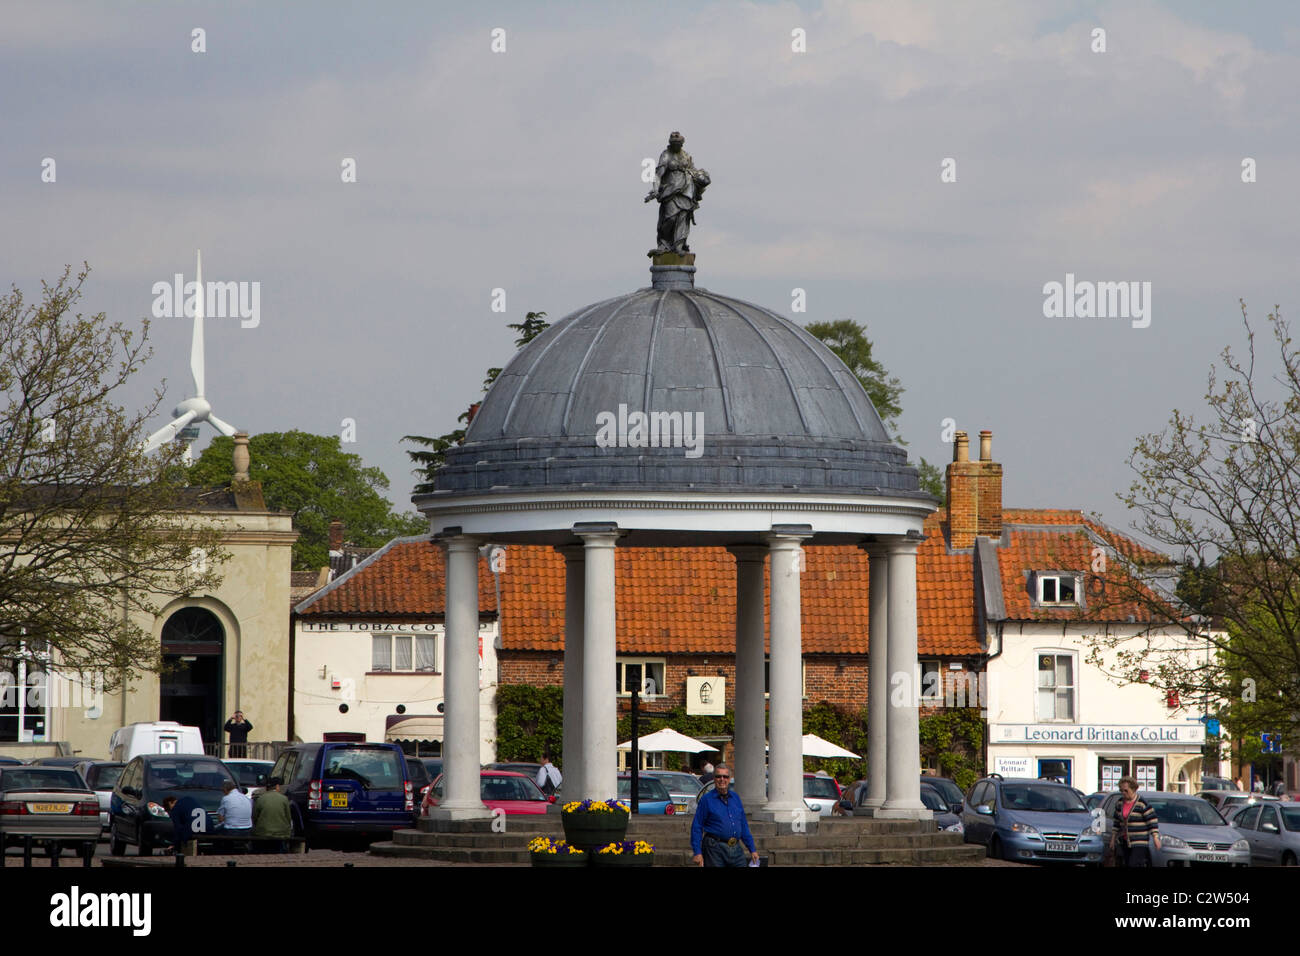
point(101, 776)
point(347, 789)
point(138, 816)
point(420, 779)
point(653, 797)
point(11, 762)
point(52, 805)
point(433, 765)
point(505, 790)
point(251, 774)
point(948, 789)
point(527, 769)
point(1097, 799)
point(57, 762)
point(684, 788)
point(1272, 830)
point(1191, 831)
point(820, 793)
point(1224, 800)
point(1028, 820)
point(154, 737)
point(1217, 783)
point(944, 817)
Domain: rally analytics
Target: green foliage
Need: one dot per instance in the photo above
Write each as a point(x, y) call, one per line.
point(839, 726)
point(530, 721)
point(932, 480)
point(955, 735)
point(848, 340)
point(692, 725)
point(311, 476)
point(434, 454)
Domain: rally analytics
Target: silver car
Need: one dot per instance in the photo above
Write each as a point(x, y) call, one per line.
point(1273, 832)
point(1192, 833)
point(684, 788)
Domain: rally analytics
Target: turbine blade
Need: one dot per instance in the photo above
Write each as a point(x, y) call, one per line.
point(219, 425)
point(196, 347)
point(167, 432)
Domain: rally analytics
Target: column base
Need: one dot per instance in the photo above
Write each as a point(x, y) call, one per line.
point(459, 813)
point(903, 813)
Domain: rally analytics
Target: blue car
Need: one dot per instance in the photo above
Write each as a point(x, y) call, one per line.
point(1028, 820)
point(652, 796)
point(347, 789)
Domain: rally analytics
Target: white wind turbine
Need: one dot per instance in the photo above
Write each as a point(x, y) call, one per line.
point(194, 410)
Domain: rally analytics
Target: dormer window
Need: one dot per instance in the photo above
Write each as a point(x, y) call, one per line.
point(1057, 589)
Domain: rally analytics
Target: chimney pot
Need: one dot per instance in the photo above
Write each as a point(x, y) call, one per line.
point(241, 456)
point(986, 445)
point(961, 448)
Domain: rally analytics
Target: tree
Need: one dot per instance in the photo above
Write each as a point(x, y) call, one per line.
point(848, 340)
point(92, 533)
point(311, 476)
point(1221, 496)
point(431, 457)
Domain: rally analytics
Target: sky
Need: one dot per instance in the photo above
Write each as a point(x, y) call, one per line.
point(519, 169)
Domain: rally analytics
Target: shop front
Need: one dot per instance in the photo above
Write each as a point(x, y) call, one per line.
point(1093, 757)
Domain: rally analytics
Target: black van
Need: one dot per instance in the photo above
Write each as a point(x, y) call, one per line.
point(347, 789)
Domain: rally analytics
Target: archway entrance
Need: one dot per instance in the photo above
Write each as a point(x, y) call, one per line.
point(193, 647)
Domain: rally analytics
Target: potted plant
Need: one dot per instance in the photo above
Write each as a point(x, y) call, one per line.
point(544, 851)
point(590, 824)
point(625, 853)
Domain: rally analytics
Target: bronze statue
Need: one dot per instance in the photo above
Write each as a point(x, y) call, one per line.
point(678, 187)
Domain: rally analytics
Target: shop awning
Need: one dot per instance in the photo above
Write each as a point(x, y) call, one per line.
point(416, 727)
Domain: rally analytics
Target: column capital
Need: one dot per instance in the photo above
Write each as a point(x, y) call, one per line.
point(901, 544)
point(748, 552)
point(597, 533)
point(453, 541)
point(788, 535)
point(876, 546)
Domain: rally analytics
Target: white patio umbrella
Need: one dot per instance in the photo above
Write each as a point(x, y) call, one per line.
point(668, 740)
point(814, 746)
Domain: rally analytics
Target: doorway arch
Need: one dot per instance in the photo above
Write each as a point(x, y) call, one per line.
point(191, 688)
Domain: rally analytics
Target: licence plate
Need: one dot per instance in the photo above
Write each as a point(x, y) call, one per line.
point(339, 800)
point(1061, 848)
point(50, 807)
point(680, 807)
point(1212, 858)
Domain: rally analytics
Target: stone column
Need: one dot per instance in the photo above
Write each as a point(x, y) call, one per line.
point(877, 677)
point(574, 587)
point(460, 684)
point(751, 707)
point(785, 693)
point(903, 773)
point(599, 772)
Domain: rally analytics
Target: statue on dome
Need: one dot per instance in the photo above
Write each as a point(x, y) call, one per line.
point(678, 187)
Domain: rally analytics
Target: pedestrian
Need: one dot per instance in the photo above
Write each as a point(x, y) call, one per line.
point(720, 828)
point(1240, 785)
point(706, 772)
point(236, 810)
point(238, 728)
point(1134, 826)
point(548, 776)
point(1278, 788)
point(188, 817)
point(273, 816)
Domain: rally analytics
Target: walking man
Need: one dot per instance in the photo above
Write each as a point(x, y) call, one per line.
point(720, 833)
point(548, 776)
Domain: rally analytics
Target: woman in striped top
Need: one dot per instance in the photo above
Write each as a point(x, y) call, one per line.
point(1135, 826)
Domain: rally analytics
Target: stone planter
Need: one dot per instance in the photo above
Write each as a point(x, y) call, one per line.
point(569, 860)
point(587, 830)
point(622, 859)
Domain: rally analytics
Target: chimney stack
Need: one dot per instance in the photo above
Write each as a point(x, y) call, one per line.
point(974, 492)
point(241, 458)
point(336, 536)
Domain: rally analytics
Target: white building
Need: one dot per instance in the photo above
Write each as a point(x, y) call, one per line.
point(361, 670)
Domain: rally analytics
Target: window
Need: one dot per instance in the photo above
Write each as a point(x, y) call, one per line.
point(1056, 687)
point(767, 676)
point(931, 681)
point(24, 691)
point(1057, 589)
point(644, 675)
point(403, 653)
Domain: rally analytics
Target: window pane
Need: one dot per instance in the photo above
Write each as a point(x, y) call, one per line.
point(1064, 671)
point(402, 652)
point(1046, 708)
point(655, 677)
point(1045, 672)
point(1065, 704)
point(1067, 589)
point(425, 654)
point(1049, 590)
point(381, 652)
point(631, 677)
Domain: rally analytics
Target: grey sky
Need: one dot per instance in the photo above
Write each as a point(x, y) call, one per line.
point(521, 171)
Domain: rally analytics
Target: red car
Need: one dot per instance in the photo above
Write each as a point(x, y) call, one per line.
point(498, 789)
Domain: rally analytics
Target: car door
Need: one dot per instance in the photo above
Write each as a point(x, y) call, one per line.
point(1244, 823)
point(978, 826)
point(128, 801)
point(1268, 834)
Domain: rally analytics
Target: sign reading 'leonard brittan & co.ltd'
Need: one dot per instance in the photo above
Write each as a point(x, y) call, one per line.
point(1189, 733)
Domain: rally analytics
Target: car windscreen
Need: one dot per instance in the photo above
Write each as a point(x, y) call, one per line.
point(508, 788)
point(248, 773)
point(932, 800)
point(820, 787)
point(374, 768)
point(648, 788)
point(1041, 799)
point(1189, 812)
point(176, 775)
point(41, 778)
point(680, 782)
point(105, 777)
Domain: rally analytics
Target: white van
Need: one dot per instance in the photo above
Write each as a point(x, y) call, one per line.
point(154, 737)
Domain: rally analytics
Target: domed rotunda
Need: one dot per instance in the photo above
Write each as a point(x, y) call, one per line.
point(675, 416)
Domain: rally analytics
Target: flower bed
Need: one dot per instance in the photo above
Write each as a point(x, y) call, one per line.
point(592, 824)
point(625, 853)
point(544, 851)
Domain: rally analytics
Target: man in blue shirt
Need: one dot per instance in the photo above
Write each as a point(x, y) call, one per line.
point(720, 829)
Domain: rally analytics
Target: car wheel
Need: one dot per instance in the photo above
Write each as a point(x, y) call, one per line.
point(116, 846)
point(995, 848)
point(1289, 859)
